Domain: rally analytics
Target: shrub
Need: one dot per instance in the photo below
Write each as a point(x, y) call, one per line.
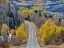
point(50, 31)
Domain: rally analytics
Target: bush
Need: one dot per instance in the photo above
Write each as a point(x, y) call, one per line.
point(50, 31)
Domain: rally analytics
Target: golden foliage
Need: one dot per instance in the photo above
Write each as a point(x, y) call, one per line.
point(12, 31)
point(20, 33)
point(49, 30)
point(24, 12)
point(4, 29)
point(31, 11)
point(58, 32)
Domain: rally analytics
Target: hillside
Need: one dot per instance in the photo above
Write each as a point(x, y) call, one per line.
point(9, 16)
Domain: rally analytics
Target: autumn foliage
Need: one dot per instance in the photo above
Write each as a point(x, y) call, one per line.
point(25, 12)
point(49, 32)
point(12, 31)
point(20, 33)
point(4, 29)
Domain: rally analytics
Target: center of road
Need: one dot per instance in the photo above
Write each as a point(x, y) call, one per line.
point(32, 40)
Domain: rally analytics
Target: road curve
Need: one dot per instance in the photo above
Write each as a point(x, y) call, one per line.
point(32, 39)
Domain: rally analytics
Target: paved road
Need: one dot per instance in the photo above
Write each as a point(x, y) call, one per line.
point(32, 39)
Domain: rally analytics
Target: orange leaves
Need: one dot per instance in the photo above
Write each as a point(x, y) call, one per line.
point(20, 33)
point(50, 30)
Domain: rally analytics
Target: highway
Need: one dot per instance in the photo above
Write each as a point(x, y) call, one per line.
point(32, 39)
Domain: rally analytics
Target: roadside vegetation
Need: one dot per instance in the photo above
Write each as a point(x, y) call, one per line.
point(51, 33)
point(49, 27)
point(13, 30)
point(18, 37)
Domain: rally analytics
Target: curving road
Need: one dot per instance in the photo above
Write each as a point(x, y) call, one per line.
point(32, 39)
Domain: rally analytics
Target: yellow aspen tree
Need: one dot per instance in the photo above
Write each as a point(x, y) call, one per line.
point(49, 30)
point(20, 33)
point(4, 29)
point(24, 13)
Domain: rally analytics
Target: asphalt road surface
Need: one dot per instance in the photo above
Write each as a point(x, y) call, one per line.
point(32, 39)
